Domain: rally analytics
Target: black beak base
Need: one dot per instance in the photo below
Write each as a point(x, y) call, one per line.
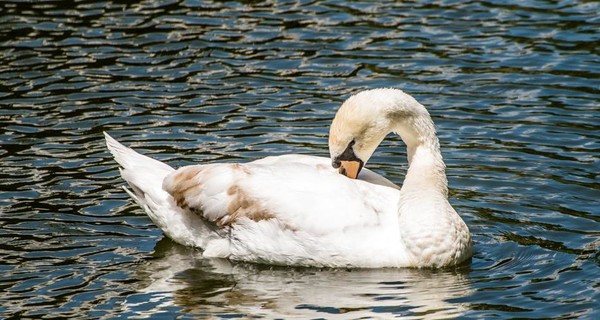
point(347, 155)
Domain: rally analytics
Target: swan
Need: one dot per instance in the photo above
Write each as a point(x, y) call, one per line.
point(299, 210)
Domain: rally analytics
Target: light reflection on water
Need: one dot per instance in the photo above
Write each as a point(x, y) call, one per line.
point(512, 87)
point(206, 286)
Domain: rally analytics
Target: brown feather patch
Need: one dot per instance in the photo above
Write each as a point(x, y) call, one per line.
point(184, 183)
point(241, 205)
point(187, 184)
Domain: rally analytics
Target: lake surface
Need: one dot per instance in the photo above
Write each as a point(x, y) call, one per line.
point(514, 89)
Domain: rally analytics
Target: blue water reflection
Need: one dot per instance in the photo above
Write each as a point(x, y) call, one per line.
point(513, 88)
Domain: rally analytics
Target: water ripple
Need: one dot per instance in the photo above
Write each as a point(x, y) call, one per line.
point(512, 86)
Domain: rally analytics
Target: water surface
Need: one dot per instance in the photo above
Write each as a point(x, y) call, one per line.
point(514, 89)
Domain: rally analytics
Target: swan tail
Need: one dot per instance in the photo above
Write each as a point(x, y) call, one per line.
point(129, 159)
point(144, 176)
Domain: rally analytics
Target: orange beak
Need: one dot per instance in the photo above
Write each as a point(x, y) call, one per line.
point(350, 168)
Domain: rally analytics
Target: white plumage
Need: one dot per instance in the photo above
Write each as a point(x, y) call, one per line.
point(298, 210)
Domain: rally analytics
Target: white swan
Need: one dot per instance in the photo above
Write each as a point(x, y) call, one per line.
point(298, 210)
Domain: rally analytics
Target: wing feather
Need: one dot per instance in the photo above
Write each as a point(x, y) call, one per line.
point(298, 192)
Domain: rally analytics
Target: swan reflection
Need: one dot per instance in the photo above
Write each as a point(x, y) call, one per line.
point(179, 276)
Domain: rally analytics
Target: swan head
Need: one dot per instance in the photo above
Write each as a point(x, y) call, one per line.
point(359, 126)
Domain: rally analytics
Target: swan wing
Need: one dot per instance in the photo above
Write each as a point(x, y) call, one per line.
point(297, 191)
point(285, 209)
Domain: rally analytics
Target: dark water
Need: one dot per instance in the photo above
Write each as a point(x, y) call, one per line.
point(514, 88)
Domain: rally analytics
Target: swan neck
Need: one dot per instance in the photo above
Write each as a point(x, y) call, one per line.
point(426, 171)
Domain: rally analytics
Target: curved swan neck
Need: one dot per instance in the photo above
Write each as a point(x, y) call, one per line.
point(426, 171)
point(365, 119)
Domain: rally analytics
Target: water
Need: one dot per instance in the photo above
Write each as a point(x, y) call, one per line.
point(514, 89)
